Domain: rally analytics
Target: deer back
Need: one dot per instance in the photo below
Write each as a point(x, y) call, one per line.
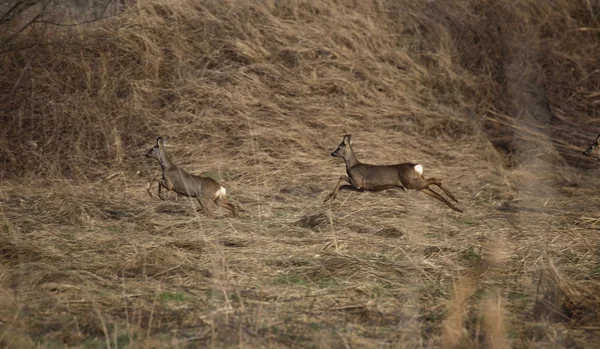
point(184, 183)
point(369, 176)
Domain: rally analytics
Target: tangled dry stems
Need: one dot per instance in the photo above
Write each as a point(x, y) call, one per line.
point(496, 99)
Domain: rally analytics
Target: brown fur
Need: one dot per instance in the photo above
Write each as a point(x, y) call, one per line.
point(379, 177)
point(205, 189)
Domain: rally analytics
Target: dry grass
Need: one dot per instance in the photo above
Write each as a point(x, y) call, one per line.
point(498, 99)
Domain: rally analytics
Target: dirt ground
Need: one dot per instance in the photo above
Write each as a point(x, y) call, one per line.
point(497, 99)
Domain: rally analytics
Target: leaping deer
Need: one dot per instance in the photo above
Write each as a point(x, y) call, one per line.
point(380, 177)
point(205, 189)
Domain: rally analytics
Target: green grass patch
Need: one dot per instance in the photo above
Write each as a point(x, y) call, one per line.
point(291, 279)
point(123, 341)
point(115, 229)
point(234, 297)
point(328, 282)
point(173, 296)
point(100, 292)
point(467, 222)
point(536, 332)
point(95, 343)
point(470, 255)
point(315, 326)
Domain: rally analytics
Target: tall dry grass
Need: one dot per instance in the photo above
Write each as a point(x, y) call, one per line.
point(496, 98)
point(210, 71)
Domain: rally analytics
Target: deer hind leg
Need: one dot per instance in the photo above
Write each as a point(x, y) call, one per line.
point(338, 187)
point(223, 202)
point(206, 203)
point(439, 184)
point(435, 195)
point(230, 207)
point(447, 192)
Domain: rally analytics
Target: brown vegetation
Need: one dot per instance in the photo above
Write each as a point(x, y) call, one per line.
point(497, 97)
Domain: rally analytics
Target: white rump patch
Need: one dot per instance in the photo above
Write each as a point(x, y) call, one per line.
point(221, 192)
point(419, 169)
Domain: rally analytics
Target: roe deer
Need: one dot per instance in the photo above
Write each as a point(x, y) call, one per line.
point(593, 148)
point(205, 189)
point(379, 177)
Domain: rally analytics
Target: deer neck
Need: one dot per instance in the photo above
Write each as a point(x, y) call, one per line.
point(351, 160)
point(165, 162)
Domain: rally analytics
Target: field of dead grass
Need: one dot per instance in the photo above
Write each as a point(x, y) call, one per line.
point(496, 98)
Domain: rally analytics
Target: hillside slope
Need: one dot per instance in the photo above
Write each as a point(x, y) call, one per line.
point(495, 98)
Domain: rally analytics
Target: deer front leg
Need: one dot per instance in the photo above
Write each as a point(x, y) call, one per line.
point(333, 194)
point(159, 180)
point(148, 187)
point(435, 195)
point(160, 194)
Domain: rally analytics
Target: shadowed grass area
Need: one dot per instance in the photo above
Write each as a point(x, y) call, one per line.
point(496, 99)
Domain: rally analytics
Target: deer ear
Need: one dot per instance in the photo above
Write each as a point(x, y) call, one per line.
point(348, 139)
point(598, 139)
point(161, 142)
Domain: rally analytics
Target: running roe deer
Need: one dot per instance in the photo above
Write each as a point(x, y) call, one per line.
point(379, 177)
point(593, 148)
point(205, 189)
